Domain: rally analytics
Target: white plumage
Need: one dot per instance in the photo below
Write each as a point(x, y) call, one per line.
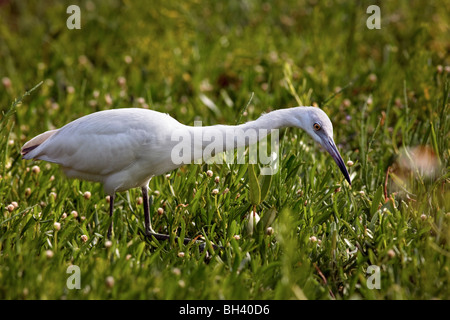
point(121, 148)
point(125, 148)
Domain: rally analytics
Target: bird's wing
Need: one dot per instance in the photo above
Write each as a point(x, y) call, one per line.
point(101, 143)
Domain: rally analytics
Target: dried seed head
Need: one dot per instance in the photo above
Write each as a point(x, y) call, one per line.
point(140, 100)
point(128, 59)
point(423, 217)
point(83, 60)
point(160, 211)
point(181, 254)
point(313, 239)
point(108, 99)
point(391, 253)
point(6, 82)
point(15, 204)
point(139, 201)
point(350, 163)
point(84, 238)
point(64, 215)
point(27, 192)
point(217, 179)
point(10, 207)
point(57, 226)
point(87, 195)
point(121, 81)
point(49, 254)
point(237, 237)
point(215, 191)
point(269, 231)
point(35, 169)
point(109, 282)
point(74, 214)
point(176, 271)
point(209, 173)
point(70, 90)
point(108, 244)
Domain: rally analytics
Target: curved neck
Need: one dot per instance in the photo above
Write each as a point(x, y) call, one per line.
point(273, 120)
point(210, 140)
point(258, 128)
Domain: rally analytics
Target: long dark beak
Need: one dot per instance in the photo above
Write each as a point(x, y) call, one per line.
point(330, 146)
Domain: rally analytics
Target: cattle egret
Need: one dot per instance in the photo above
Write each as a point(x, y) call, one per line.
point(125, 148)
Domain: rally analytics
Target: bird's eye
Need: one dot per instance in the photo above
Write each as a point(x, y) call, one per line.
point(317, 126)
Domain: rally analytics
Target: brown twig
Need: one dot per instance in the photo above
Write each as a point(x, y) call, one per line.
point(325, 282)
point(385, 184)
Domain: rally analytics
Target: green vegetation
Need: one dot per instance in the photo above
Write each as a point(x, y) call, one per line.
point(386, 91)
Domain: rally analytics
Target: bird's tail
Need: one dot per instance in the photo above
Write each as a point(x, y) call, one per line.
point(36, 142)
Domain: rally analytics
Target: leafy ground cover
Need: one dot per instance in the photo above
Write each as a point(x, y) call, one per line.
point(386, 91)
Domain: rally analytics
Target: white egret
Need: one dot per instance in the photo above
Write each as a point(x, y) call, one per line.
point(125, 148)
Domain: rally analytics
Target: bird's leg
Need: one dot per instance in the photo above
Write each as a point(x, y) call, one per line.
point(148, 221)
point(111, 211)
point(149, 232)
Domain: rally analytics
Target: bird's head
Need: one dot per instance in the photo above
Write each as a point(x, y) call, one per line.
point(317, 124)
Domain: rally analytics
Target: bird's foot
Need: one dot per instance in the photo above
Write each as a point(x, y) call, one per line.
point(162, 237)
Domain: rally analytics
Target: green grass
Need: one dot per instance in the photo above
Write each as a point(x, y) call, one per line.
point(386, 91)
